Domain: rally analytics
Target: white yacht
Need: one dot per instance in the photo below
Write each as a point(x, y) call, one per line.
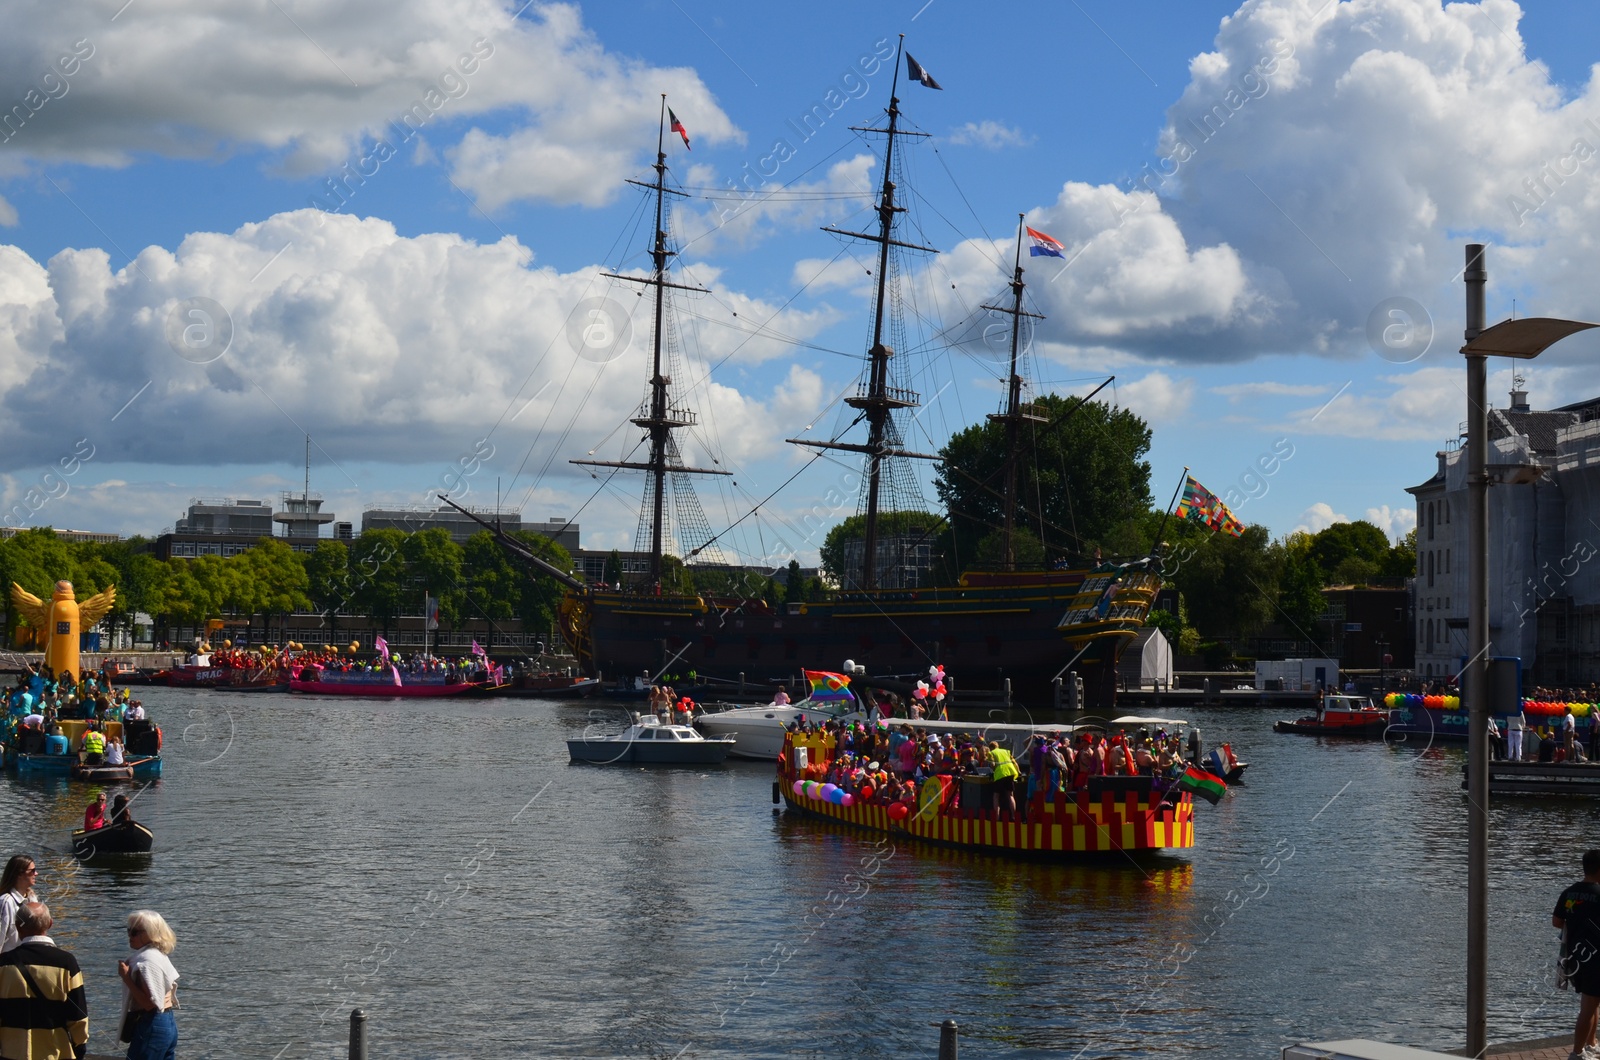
point(758, 731)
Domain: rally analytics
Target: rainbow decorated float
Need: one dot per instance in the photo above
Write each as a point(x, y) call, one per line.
point(1115, 815)
point(1445, 717)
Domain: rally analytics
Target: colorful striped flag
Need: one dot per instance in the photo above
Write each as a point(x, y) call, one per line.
point(1206, 785)
point(1200, 505)
point(828, 687)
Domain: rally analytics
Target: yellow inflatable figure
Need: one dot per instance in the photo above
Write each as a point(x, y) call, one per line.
point(61, 619)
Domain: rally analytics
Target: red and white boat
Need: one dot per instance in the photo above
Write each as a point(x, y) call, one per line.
point(1353, 716)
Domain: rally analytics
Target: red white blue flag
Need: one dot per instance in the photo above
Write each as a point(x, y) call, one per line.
point(677, 127)
point(1049, 246)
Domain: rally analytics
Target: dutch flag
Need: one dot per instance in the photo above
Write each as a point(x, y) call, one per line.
point(1045, 245)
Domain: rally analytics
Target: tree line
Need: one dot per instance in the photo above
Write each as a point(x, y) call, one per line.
point(380, 575)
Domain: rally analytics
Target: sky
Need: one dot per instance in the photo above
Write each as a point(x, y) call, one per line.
point(387, 226)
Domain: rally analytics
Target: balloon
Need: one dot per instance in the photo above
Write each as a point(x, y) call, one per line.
point(899, 811)
point(828, 790)
point(799, 787)
point(846, 799)
point(866, 792)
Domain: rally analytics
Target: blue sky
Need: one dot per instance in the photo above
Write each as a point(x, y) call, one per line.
point(1307, 166)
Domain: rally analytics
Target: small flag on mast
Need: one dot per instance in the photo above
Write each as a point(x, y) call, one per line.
point(677, 127)
point(1200, 505)
point(919, 74)
point(1048, 246)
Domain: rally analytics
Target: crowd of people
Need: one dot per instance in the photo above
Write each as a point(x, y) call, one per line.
point(44, 1010)
point(419, 665)
point(889, 763)
point(1565, 740)
point(40, 700)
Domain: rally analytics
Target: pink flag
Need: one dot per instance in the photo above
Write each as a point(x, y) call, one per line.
point(476, 648)
point(382, 647)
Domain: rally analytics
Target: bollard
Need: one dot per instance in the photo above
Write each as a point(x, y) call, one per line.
point(358, 1035)
point(1055, 693)
point(741, 684)
point(947, 1040)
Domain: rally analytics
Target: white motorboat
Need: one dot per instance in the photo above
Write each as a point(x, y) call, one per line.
point(648, 742)
point(758, 731)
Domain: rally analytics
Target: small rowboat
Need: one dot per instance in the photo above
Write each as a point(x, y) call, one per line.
point(129, 837)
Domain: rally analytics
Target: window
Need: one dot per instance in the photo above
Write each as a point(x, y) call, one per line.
point(1447, 561)
point(1430, 565)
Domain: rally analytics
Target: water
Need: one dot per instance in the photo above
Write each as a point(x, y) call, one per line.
point(441, 865)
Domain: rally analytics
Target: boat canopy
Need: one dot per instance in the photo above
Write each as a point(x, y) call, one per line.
point(1135, 719)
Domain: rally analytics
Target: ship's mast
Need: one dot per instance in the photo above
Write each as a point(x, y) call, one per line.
point(1016, 413)
point(657, 416)
point(876, 398)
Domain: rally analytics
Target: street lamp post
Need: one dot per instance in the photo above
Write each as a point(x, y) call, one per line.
point(1526, 339)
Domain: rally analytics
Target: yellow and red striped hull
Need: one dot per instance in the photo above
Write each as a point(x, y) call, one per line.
point(1073, 827)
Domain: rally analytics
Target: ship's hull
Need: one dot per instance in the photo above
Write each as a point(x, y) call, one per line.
point(1073, 828)
point(995, 628)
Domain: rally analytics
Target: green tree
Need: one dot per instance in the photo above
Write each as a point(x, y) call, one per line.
point(379, 581)
point(613, 569)
point(540, 598)
point(34, 559)
point(1230, 583)
point(277, 581)
point(1401, 561)
point(433, 564)
point(1079, 478)
point(1343, 541)
point(328, 579)
point(1300, 584)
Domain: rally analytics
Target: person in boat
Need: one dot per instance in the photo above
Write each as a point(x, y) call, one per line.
point(114, 755)
point(16, 890)
point(120, 813)
point(1005, 781)
point(781, 699)
point(94, 815)
point(136, 710)
point(94, 745)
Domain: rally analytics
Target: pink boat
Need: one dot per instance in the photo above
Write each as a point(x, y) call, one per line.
point(376, 685)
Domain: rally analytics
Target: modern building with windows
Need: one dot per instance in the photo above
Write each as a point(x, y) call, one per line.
point(1544, 581)
point(413, 518)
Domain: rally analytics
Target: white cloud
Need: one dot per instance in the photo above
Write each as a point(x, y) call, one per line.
point(315, 87)
point(385, 348)
point(1236, 392)
point(1319, 517)
point(1396, 522)
point(990, 135)
point(1157, 397)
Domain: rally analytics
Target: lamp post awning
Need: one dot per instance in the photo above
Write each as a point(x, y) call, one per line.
point(1526, 338)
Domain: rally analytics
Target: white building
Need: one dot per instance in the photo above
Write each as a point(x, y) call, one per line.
point(1544, 594)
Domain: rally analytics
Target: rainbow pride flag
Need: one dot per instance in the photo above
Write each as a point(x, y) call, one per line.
point(828, 687)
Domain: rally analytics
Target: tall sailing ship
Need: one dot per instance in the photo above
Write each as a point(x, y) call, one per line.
point(1033, 631)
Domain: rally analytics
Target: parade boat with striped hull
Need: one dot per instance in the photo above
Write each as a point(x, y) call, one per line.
point(1119, 816)
point(1009, 629)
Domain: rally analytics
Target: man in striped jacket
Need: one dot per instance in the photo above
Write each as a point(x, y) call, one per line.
point(43, 1012)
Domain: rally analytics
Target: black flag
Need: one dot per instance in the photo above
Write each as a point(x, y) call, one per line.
point(915, 71)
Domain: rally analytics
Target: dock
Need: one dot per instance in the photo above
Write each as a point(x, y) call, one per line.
point(1542, 778)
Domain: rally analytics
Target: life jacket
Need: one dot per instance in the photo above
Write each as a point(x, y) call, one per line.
point(1005, 767)
point(94, 742)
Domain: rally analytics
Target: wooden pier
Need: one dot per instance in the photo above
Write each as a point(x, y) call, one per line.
point(1542, 778)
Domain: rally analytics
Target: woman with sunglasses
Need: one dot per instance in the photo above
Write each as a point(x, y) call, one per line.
point(148, 1025)
point(16, 888)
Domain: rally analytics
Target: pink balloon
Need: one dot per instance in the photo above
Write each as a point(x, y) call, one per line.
point(799, 787)
point(847, 799)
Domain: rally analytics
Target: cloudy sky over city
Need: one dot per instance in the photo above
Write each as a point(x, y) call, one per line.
point(385, 226)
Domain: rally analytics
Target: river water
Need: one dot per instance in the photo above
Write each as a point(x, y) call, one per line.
point(441, 865)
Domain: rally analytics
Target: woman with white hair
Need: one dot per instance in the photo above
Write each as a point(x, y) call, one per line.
point(151, 981)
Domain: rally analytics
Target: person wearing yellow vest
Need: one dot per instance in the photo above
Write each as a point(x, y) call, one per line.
point(1005, 781)
point(94, 746)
